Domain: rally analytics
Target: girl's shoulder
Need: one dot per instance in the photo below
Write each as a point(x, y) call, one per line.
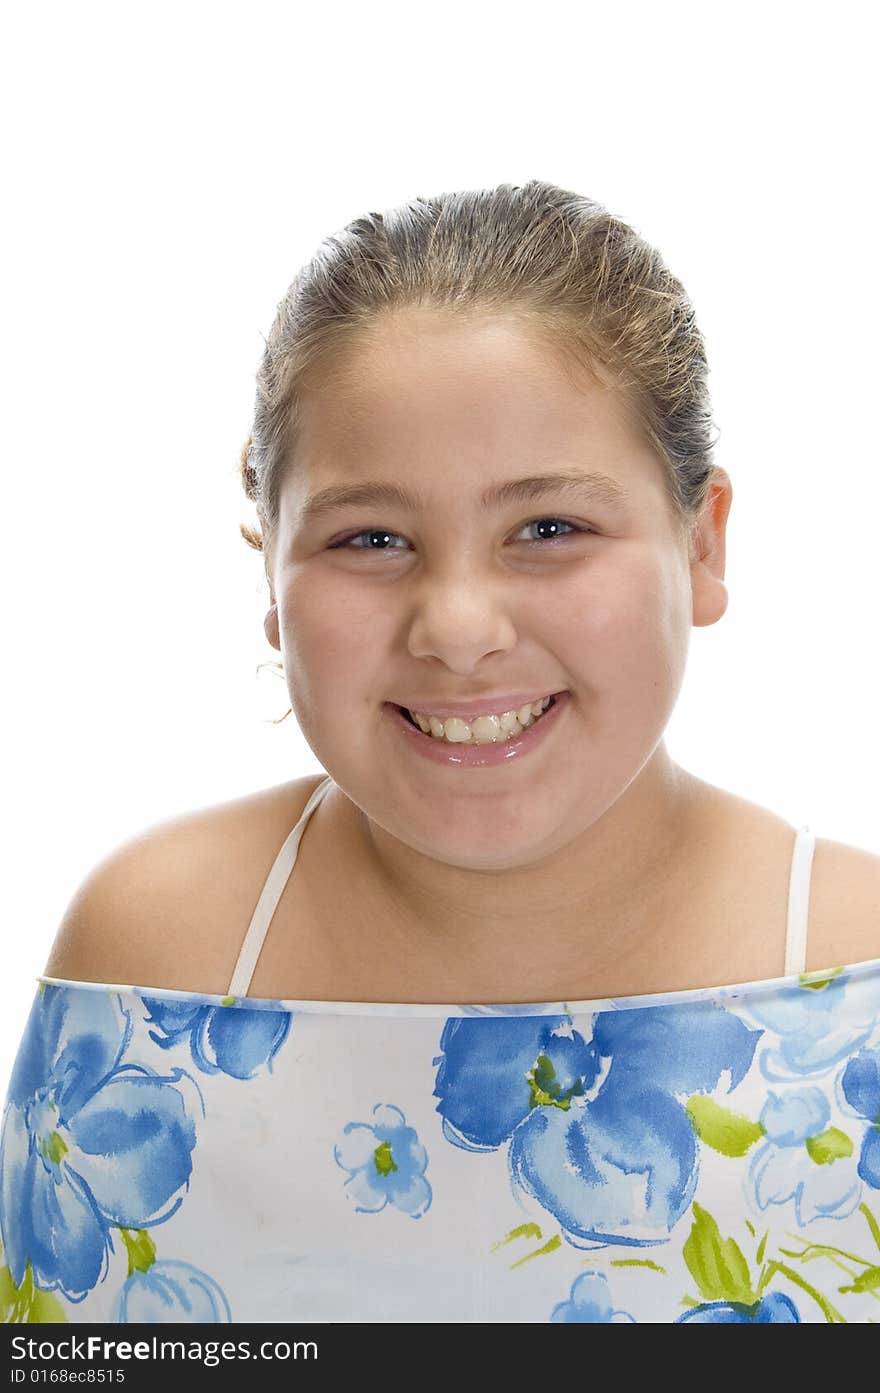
point(169, 906)
point(844, 921)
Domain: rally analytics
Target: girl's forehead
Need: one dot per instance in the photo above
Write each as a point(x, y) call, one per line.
point(467, 402)
point(442, 347)
point(475, 386)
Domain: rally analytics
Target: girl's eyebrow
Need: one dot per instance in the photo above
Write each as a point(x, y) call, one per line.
point(599, 487)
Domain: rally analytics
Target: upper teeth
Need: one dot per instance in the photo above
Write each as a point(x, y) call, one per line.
point(484, 729)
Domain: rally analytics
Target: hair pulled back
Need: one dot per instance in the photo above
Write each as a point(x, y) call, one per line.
point(585, 279)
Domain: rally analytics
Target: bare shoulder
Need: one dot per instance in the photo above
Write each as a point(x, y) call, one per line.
point(169, 906)
point(844, 921)
point(843, 924)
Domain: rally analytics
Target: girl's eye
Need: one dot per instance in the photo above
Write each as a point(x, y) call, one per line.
point(552, 523)
point(379, 533)
point(379, 537)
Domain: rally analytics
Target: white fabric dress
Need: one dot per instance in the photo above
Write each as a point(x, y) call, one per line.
point(171, 1156)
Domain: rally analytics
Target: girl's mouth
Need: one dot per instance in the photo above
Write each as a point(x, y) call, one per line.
point(514, 724)
point(465, 751)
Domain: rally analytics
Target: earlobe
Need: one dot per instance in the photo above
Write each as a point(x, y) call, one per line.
point(270, 627)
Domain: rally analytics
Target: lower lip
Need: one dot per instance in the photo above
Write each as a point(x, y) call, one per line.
point(478, 756)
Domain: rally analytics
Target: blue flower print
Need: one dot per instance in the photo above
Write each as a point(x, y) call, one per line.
point(818, 1022)
point(494, 1070)
point(612, 1156)
point(774, 1309)
point(172, 1293)
point(860, 1086)
point(589, 1303)
point(88, 1143)
point(222, 1038)
point(803, 1159)
point(386, 1164)
point(624, 1163)
point(682, 1049)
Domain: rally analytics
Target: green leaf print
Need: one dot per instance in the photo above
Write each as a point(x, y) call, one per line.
point(140, 1248)
point(551, 1246)
point(715, 1263)
point(728, 1132)
point(529, 1230)
point(819, 980)
point(27, 1304)
point(829, 1146)
point(869, 1280)
point(871, 1222)
point(866, 1281)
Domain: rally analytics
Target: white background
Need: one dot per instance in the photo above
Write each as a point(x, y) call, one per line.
point(168, 167)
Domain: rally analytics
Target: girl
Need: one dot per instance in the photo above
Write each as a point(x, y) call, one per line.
point(535, 1032)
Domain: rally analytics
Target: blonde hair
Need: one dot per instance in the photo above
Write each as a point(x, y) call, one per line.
point(585, 279)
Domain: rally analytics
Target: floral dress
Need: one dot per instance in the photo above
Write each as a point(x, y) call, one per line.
point(708, 1155)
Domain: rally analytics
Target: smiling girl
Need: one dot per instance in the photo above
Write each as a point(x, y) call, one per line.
point(534, 990)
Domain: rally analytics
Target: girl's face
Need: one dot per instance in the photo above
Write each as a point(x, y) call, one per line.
point(429, 595)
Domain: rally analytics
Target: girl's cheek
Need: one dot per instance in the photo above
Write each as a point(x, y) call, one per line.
point(598, 622)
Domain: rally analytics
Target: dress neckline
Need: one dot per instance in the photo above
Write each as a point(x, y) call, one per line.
point(647, 1000)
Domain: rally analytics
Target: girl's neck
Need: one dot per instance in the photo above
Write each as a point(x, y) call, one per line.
point(602, 898)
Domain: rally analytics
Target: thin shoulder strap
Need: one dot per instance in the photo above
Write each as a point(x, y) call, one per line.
point(273, 888)
point(799, 902)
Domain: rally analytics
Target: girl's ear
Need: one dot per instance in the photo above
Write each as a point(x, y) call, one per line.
point(270, 626)
point(707, 551)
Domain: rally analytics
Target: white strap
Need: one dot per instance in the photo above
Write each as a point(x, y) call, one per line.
point(272, 891)
point(799, 902)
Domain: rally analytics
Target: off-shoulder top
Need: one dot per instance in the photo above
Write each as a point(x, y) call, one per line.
point(708, 1155)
